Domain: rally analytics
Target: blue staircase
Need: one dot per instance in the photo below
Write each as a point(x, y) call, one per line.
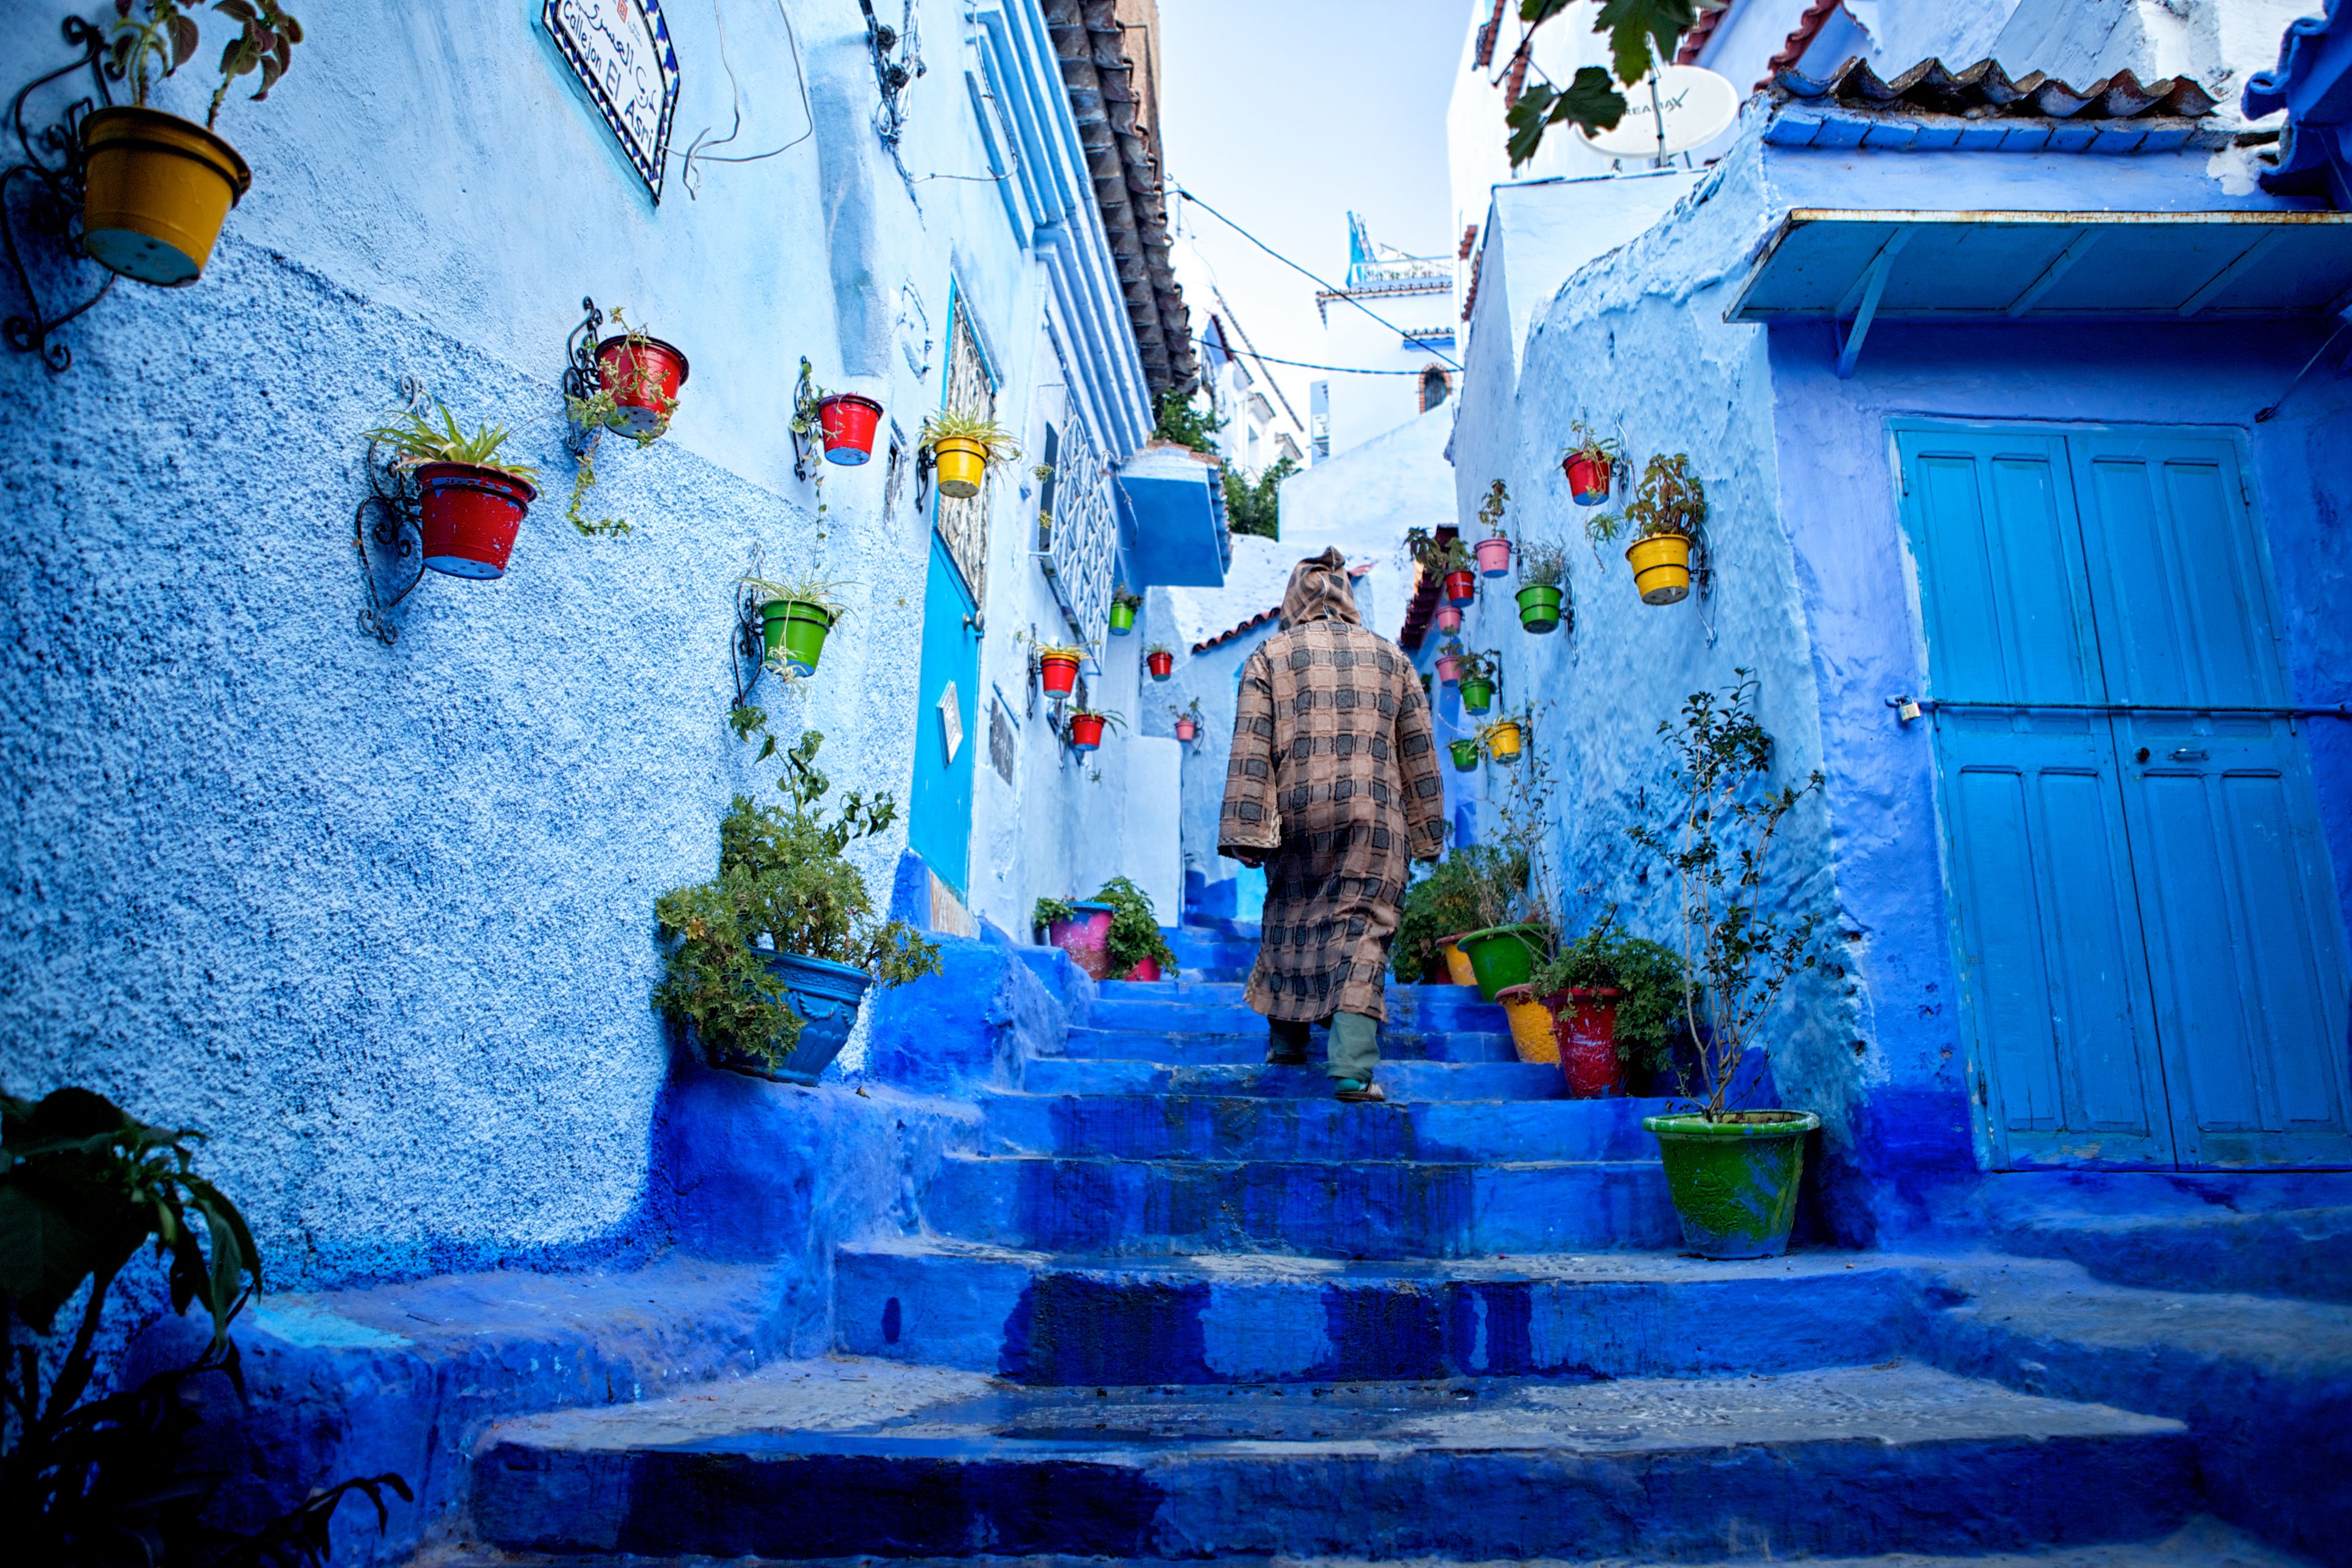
point(1172, 1302)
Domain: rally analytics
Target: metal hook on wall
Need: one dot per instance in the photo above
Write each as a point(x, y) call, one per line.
point(57, 195)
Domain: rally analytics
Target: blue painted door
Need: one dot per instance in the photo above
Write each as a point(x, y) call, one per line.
point(938, 820)
point(2143, 912)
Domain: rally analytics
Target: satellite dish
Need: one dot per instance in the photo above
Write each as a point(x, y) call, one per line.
point(1694, 104)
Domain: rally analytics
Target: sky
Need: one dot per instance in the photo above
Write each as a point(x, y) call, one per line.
point(1286, 115)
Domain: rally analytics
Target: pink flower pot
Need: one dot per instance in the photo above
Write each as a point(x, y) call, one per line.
point(1449, 668)
point(1494, 555)
point(1186, 729)
point(1146, 969)
point(1086, 937)
point(1449, 619)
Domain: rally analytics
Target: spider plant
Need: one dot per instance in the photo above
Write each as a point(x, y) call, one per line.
point(417, 440)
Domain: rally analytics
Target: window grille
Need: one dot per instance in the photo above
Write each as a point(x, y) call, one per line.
point(1084, 545)
point(963, 524)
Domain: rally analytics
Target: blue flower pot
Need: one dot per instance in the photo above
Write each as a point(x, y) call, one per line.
point(827, 995)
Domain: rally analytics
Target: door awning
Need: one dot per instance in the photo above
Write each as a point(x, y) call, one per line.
point(1826, 264)
point(1177, 503)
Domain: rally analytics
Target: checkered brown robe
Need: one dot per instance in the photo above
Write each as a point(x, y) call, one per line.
point(1334, 783)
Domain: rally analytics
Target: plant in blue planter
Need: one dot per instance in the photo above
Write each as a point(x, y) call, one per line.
point(771, 959)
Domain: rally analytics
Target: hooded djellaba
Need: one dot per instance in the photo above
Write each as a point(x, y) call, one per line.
point(1333, 786)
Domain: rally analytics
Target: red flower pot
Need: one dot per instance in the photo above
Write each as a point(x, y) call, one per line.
point(645, 377)
point(1449, 668)
point(1587, 1030)
point(848, 422)
point(1461, 588)
point(1163, 665)
point(1494, 556)
point(1085, 730)
point(1186, 729)
point(1449, 619)
point(470, 517)
point(1058, 674)
point(1145, 969)
point(1588, 480)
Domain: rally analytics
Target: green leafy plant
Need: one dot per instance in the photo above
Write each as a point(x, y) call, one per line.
point(784, 882)
point(1669, 500)
point(1740, 950)
point(1050, 910)
point(1434, 556)
point(1648, 977)
point(1591, 445)
point(1490, 510)
point(1483, 665)
point(1185, 422)
point(1460, 893)
point(416, 441)
point(1640, 33)
point(947, 425)
point(808, 589)
point(1120, 595)
point(1254, 506)
point(1111, 719)
point(1190, 710)
point(1543, 565)
point(1135, 933)
point(599, 413)
point(84, 1188)
point(166, 36)
point(1159, 648)
point(1061, 650)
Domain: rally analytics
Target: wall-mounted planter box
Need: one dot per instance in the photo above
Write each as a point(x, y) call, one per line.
point(1494, 556)
point(795, 629)
point(644, 375)
point(848, 422)
point(1588, 479)
point(1661, 567)
point(1461, 588)
point(470, 517)
point(1539, 607)
point(156, 190)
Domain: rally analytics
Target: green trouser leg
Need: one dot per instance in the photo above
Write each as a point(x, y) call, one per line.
point(1355, 1046)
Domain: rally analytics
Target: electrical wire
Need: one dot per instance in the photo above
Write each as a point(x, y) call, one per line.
point(1342, 293)
point(695, 154)
point(1230, 351)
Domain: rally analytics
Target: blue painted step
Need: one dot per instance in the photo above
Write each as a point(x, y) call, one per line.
point(865, 1459)
point(1224, 1127)
point(1090, 1044)
point(1037, 1318)
point(1176, 1005)
point(1376, 1209)
point(1400, 1081)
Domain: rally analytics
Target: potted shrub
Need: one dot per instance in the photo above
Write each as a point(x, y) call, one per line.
point(1086, 724)
point(1187, 720)
point(1458, 894)
point(1115, 933)
point(1591, 463)
point(156, 188)
point(1161, 658)
point(1449, 663)
point(1733, 1171)
point(1475, 673)
point(1543, 569)
point(1449, 620)
point(1465, 754)
point(962, 446)
point(794, 619)
point(1502, 737)
point(1663, 517)
point(1494, 551)
point(1081, 928)
point(1057, 668)
point(846, 421)
point(634, 396)
point(1123, 605)
point(769, 962)
point(1619, 1001)
point(472, 504)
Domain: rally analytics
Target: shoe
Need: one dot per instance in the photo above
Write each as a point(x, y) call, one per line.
point(1276, 1060)
point(1355, 1091)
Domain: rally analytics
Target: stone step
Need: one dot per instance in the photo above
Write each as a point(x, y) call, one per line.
point(1402, 1082)
point(1174, 1005)
point(1042, 1318)
point(1243, 1126)
point(1091, 1043)
point(865, 1459)
point(1315, 1208)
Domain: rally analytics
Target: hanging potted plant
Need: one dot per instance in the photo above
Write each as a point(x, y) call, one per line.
point(1502, 737)
point(1543, 569)
point(1495, 550)
point(1732, 1171)
point(768, 962)
point(962, 445)
point(1187, 720)
point(1668, 507)
point(1161, 658)
point(1591, 463)
point(1057, 668)
point(1475, 673)
point(157, 188)
point(1086, 727)
point(634, 396)
point(794, 619)
point(1448, 559)
point(846, 421)
point(1123, 605)
point(1449, 620)
point(1618, 1003)
point(1465, 754)
point(472, 505)
point(1449, 663)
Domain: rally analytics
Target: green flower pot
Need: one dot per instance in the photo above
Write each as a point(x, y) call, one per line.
point(1465, 754)
point(1477, 696)
point(1122, 619)
point(1539, 608)
point(1734, 1182)
point(796, 628)
point(1504, 956)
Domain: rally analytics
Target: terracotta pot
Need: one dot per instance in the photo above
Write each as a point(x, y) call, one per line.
point(1058, 673)
point(1461, 587)
point(471, 516)
point(1163, 665)
point(156, 189)
point(1494, 556)
point(1449, 619)
point(1588, 479)
point(645, 376)
point(1588, 1042)
point(848, 422)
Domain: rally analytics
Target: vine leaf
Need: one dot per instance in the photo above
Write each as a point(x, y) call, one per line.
point(1590, 101)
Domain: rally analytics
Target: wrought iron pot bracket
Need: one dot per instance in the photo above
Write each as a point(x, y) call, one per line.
point(55, 202)
point(583, 376)
point(808, 444)
point(394, 540)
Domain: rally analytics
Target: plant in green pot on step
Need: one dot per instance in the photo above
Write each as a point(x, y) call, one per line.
point(1543, 593)
point(796, 617)
point(1733, 1171)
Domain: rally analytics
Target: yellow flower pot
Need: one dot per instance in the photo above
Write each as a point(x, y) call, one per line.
point(156, 190)
point(1661, 567)
point(1532, 1035)
point(1458, 963)
point(962, 465)
point(1503, 742)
